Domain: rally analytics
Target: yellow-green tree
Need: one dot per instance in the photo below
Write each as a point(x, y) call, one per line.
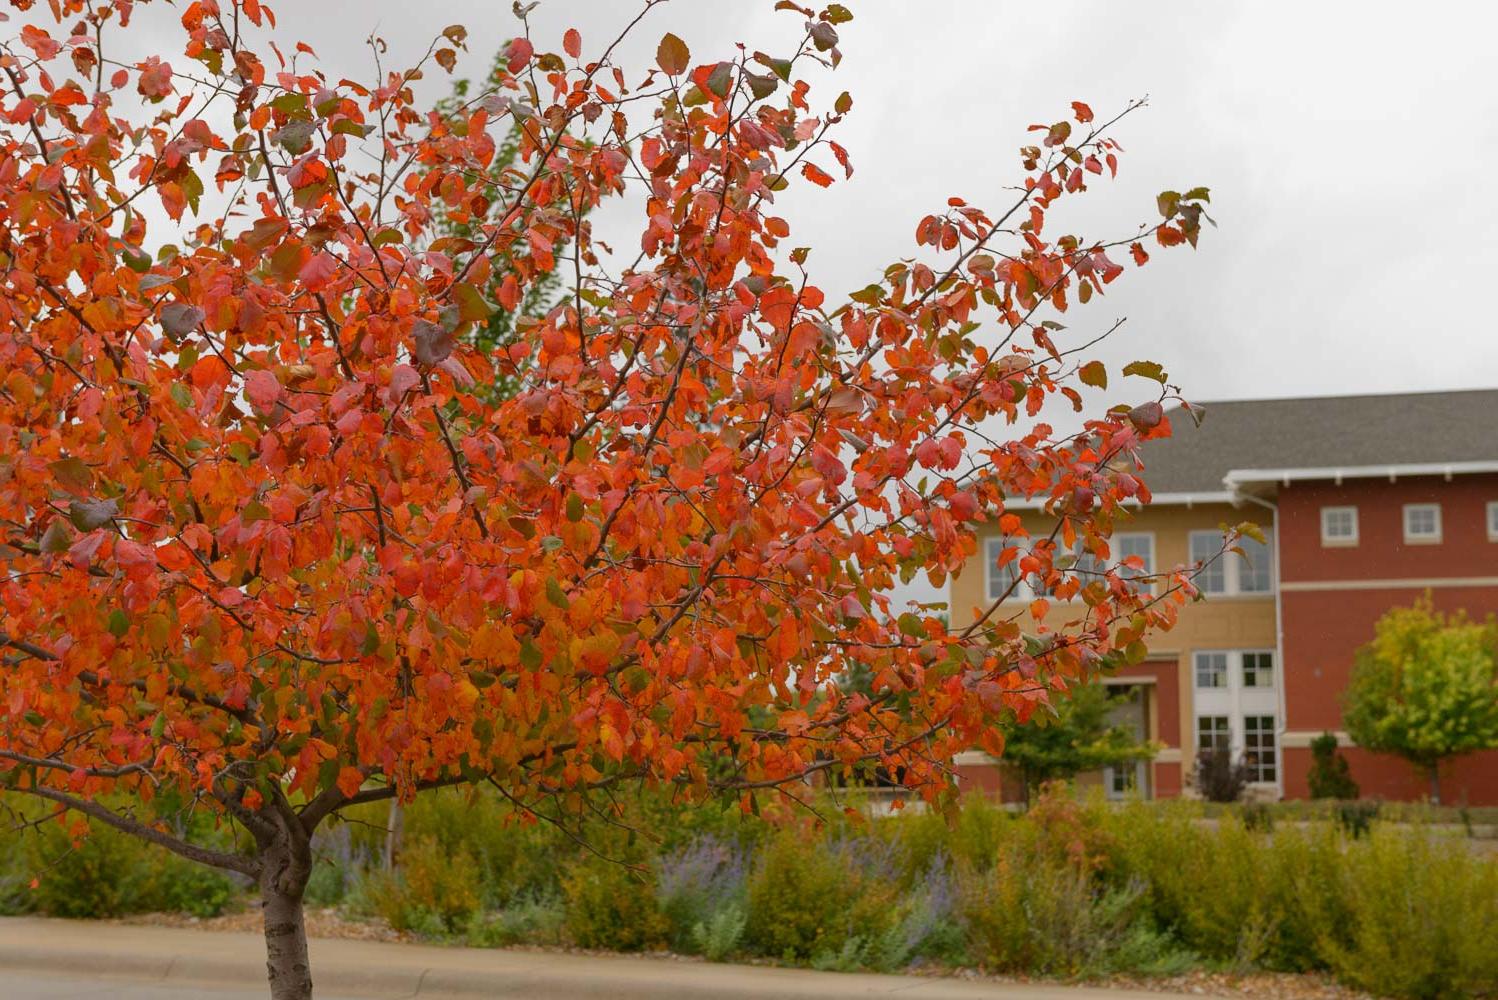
point(1425, 688)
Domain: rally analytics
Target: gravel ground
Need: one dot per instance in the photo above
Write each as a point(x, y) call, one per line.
point(328, 923)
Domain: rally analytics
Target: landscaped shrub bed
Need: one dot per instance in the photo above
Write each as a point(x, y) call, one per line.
point(1068, 889)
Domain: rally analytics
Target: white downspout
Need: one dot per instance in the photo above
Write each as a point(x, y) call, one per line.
point(1279, 635)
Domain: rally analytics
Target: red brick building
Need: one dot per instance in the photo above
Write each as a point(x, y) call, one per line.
point(1369, 502)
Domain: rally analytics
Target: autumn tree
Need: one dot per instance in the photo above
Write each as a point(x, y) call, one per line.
point(1425, 688)
point(267, 548)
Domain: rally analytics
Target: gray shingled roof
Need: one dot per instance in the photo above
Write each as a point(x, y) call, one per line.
point(1320, 432)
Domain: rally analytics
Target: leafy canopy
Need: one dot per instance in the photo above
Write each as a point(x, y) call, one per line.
point(1426, 687)
point(1081, 735)
point(270, 544)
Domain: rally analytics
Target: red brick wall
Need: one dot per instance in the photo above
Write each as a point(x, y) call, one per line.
point(1323, 628)
point(1381, 552)
point(1470, 780)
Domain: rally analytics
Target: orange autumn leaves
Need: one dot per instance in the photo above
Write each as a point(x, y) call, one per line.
point(268, 533)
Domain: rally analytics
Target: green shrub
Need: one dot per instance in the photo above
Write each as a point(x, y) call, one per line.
point(806, 899)
point(611, 906)
point(1356, 818)
point(718, 937)
point(1211, 887)
point(434, 891)
point(531, 920)
point(1422, 917)
point(106, 873)
point(1030, 914)
point(1329, 777)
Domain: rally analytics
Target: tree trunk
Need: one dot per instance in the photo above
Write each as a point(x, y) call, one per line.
point(394, 827)
point(282, 882)
point(1435, 783)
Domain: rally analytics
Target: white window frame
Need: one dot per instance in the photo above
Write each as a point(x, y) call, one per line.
point(1234, 567)
point(1115, 546)
point(1492, 520)
point(1217, 735)
point(1226, 674)
point(1025, 591)
point(1329, 540)
point(990, 568)
point(1243, 670)
point(1258, 767)
point(1410, 537)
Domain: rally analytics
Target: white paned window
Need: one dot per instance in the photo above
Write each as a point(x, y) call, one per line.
point(1339, 525)
point(1134, 543)
point(1000, 578)
point(1211, 670)
point(1258, 670)
point(1493, 520)
point(1252, 572)
point(1213, 733)
point(1422, 523)
point(1258, 748)
point(1255, 572)
point(1212, 577)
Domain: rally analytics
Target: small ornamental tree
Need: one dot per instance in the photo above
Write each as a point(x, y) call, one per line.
point(1329, 776)
point(1079, 735)
point(272, 546)
point(1425, 688)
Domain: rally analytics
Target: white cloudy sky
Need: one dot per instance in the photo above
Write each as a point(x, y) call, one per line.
point(1349, 147)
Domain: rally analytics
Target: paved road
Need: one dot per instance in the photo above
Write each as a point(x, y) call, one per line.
point(44, 986)
point(53, 959)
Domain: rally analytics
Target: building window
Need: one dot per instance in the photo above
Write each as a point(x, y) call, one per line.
point(1141, 544)
point(1206, 549)
point(1251, 572)
point(1258, 748)
point(1254, 570)
point(1211, 670)
point(1339, 525)
point(1258, 670)
point(1212, 733)
point(1422, 523)
point(1493, 520)
point(1000, 578)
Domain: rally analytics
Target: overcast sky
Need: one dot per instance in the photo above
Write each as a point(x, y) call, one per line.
point(1349, 147)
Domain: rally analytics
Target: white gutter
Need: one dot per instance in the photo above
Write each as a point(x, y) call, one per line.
point(1236, 479)
point(1279, 640)
point(1187, 500)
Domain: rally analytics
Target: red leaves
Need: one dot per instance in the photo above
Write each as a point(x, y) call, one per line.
point(155, 81)
point(263, 390)
point(672, 499)
point(318, 272)
point(517, 54)
point(816, 175)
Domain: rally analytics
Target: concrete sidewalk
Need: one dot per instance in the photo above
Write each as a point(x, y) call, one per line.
point(174, 958)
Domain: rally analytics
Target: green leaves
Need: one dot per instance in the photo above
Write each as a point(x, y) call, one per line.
point(1094, 373)
point(574, 508)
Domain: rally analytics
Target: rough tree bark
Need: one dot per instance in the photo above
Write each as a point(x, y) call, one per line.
point(286, 865)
